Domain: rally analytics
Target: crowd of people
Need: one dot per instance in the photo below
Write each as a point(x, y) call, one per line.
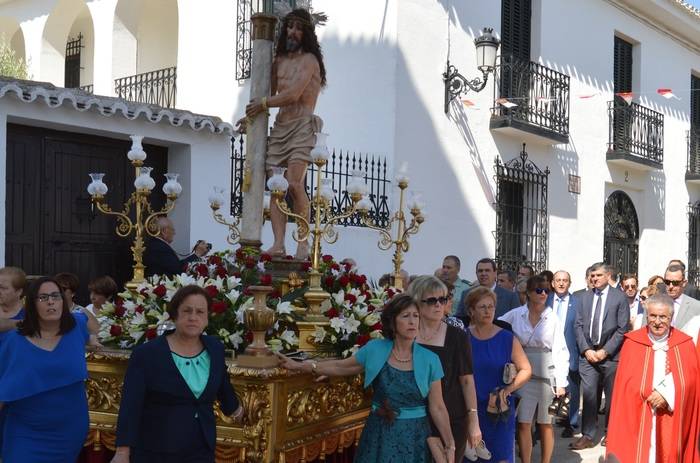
point(477, 371)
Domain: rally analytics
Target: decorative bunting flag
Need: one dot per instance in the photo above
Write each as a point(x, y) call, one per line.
point(667, 93)
point(590, 95)
point(505, 103)
point(627, 96)
point(467, 103)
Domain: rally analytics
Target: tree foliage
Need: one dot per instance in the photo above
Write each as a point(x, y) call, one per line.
point(11, 65)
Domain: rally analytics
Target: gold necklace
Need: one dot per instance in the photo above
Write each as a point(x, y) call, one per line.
point(430, 338)
point(400, 360)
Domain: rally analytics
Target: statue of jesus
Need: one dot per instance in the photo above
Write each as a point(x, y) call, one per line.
point(298, 74)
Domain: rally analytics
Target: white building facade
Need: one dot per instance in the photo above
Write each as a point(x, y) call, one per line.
point(562, 63)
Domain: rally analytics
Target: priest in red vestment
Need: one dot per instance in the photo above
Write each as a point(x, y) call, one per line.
point(656, 402)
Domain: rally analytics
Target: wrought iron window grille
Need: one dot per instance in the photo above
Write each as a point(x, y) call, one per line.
point(155, 87)
point(522, 225)
point(621, 233)
point(693, 166)
point(635, 130)
point(694, 243)
point(339, 168)
point(540, 93)
point(74, 47)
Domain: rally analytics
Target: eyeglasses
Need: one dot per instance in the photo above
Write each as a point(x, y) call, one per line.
point(643, 298)
point(673, 282)
point(630, 286)
point(488, 307)
point(434, 300)
point(661, 318)
point(46, 297)
point(541, 290)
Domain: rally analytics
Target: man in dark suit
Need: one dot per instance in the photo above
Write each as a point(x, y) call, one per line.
point(486, 275)
point(566, 306)
point(630, 286)
point(601, 323)
point(589, 284)
point(161, 259)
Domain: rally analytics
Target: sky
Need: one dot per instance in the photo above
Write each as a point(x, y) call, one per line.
point(695, 3)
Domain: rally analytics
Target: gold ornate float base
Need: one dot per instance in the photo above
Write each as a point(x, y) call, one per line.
point(288, 417)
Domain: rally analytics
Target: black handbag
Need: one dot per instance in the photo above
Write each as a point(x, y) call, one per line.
point(560, 406)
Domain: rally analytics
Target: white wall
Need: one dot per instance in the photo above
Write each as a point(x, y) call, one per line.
point(157, 35)
point(83, 25)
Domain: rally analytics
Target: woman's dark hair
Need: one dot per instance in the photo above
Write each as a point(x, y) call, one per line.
point(68, 281)
point(393, 309)
point(30, 325)
point(104, 285)
point(309, 41)
point(182, 294)
point(538, 281)
point(548, 275)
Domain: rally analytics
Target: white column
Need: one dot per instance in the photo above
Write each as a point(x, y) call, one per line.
point(102, 12)
point(33, 31)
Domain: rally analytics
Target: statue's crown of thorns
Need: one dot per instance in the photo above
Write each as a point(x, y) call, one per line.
point(282, 9)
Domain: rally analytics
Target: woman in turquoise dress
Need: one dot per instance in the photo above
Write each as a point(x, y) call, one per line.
point(406, 382)
point(42, 379)
point(492, 348)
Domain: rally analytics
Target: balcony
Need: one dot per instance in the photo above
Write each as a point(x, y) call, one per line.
point(155, 87)
point(636, 136)
point(692, 171)
point(542, 98)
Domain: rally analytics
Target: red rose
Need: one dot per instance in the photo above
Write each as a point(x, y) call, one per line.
point(351, 298)
point(211, 291)
point(275, 293)
point(160, 291)
point(119, 311)
point(115, 330)
point(344, 280)
point(215, 260)
point(332, 313)
point(221, 272)
point(265, 279)
point(239, 253)
point(306, 266)
point(151, 333)
point(202, 270)
point(335, 266)
point(377, 326)
point(139, 309)
point(363, 339)
point(265, 257)
point(390, 293)
point(118, 301)
point(249, 262)
point(361, 279)
point(247, 291)
point(329, 280)
point(218, 307)
point(327, 258)
point(237, 274)
point(371, 308)
point(248, 337)
point(348, 266)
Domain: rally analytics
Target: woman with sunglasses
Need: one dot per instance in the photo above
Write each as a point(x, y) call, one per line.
point(42, 379)
point(452, 346)
point(541, 334)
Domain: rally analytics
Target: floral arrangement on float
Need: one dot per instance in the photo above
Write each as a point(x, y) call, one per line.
point(353, 310)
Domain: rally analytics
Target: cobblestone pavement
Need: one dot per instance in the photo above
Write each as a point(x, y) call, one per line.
point(562, 453)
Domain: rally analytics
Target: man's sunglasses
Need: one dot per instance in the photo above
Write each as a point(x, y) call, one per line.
point(673, 282)
point(434, 300)
point(542, 290)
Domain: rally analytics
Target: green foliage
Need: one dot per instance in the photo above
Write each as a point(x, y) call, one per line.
point(11, 65)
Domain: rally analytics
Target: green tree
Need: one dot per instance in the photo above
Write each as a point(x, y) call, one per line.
point(11, 65)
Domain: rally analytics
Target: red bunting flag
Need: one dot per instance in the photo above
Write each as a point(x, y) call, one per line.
point(467, 103)
point(667, 93)
point(627, 96)
point(590, 95)
point(505, 103)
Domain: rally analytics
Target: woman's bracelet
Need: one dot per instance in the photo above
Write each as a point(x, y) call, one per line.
point(472, 410)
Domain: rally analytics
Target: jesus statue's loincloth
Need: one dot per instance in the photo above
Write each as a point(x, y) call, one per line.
point(292, 140)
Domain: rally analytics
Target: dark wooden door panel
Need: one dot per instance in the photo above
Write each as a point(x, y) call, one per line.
point(52, 226)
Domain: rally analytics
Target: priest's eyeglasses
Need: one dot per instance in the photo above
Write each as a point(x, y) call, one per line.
point(661, 318)
point(46, 297)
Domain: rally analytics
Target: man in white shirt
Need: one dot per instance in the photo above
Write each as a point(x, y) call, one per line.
point(630, 287)
point(685, 308)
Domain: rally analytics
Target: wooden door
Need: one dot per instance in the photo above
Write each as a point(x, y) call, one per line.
point(60, 230)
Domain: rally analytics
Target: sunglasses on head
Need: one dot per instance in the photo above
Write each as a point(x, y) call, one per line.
point(673, 282)
point(541, 290)
point(434, 300)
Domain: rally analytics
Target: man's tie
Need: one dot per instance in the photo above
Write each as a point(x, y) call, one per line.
point(595, 332)
point(559, 301)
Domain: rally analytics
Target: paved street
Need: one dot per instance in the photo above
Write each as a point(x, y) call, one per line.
point(562, 454)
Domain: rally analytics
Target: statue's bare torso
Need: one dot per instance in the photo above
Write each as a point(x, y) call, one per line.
point(296, 77)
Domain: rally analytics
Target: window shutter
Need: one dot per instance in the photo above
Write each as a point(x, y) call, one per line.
point(695, 101)
point(622, 73)
point(515, 28)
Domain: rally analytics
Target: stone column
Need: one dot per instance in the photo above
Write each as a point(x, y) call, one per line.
point(256, 150)
point(102, 13)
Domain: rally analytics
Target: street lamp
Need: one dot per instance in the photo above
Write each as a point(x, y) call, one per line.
point(456, 84)
point(143, 221)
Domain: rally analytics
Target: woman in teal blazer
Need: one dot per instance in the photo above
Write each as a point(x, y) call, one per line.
point(406, 382)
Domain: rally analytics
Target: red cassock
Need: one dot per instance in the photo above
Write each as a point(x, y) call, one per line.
point(629, 430)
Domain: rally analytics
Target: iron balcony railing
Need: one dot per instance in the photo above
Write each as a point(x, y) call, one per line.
point(155, 87)
point(636, 131)
point(540, 93)
point(339, 168)
point(87, 88)
point(694, 150)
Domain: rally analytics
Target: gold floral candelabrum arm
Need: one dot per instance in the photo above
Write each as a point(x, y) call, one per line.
point(319, 227)
point(216, 199)
point(403, 231)
point(143, 222)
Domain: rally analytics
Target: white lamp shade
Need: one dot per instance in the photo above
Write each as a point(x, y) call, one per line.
point(486, 50)
point(356, 184)
point(136, 153)
point(365, 204)
point(172, 186)
point(217, 197)
point(97, 186)
point(326, 191)
point(144, 180)
point(320, 151)
point(277, 182)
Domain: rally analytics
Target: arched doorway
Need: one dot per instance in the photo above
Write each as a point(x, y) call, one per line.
point(621, 248)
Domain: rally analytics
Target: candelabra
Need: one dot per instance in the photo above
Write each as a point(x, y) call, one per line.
point(143, 222)
point(217, 199)
point(403, 231)
point(321, 225)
